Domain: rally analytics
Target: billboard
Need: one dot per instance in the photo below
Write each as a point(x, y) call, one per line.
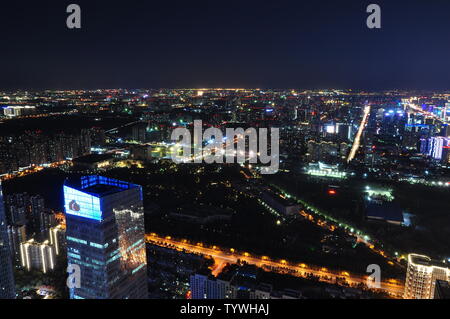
point(80, 204)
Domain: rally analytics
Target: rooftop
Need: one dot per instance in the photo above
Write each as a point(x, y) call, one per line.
point(99, 186)
point(102, 190)
point(388, 211)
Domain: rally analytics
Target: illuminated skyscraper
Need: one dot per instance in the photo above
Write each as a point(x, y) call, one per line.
point(105, 238)
point(438, 148)
point(422, 276)
point(58, 238)
point(7, 290)
point(36, 255)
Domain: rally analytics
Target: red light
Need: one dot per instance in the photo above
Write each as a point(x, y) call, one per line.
point(332, 192)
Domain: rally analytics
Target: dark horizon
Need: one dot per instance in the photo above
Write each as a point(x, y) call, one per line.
point(287, 44)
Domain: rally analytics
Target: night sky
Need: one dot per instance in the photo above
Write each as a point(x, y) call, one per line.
point(245, 43)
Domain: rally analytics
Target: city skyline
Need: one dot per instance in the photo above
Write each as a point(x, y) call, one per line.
point(213, 157)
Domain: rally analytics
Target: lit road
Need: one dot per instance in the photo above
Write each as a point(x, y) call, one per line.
point(221, 257)
point(357, 142)
point(31, 170)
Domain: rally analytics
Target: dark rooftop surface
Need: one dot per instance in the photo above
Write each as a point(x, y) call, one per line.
point(102, 190)
point(426, 261)
point(443, 289)
point(384, 210)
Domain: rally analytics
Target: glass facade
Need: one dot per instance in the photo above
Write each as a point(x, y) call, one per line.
point(7, 289)
point(105, 238)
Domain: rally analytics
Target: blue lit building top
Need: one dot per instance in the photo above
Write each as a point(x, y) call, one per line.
point(105, 238)
point(84, 198)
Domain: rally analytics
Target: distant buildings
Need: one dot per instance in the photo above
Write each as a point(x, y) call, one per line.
point(342, 130)
point(93, 162)
point(236, 284)
point(422, 275)
point(324, 170)
point(24, 209)
point(438, 148)
point(328, 152)
point(139, 132)
point(17, 111)
point(40, 148)
point(7, 289)
point(105, 238)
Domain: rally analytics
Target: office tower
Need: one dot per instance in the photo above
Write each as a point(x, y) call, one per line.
point(58, 238)
point(7, 289)
point(105, 238)
point(421, 277)
point(36, 255)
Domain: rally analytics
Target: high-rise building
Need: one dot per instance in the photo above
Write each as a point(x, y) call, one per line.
point(17, 206)
point(36, 255)
point(105, 238)
point(23, 209)
point(7, 290)
point(422, 275)
point(17, 234)
point(139, 131)
point(58, 238)
point(37, 207)
point(438, 148)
